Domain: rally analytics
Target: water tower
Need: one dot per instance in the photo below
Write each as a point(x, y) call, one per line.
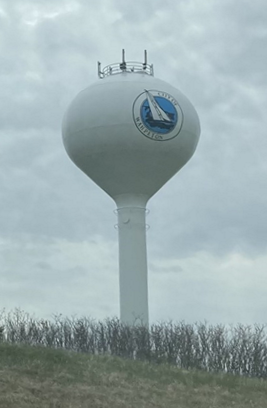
point(130, 133)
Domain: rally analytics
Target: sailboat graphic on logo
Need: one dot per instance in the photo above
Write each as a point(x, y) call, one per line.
point(157, 115)
point(157, 112)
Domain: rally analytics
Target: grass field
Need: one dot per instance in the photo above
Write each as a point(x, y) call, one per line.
point(46, 378)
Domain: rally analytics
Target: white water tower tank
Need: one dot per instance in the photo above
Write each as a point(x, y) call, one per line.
point(130, 133)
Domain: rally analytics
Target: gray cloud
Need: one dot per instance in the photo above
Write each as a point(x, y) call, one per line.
point(227, 88)
point(213, 52)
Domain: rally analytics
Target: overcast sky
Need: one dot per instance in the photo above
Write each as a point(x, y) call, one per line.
point(207, 243)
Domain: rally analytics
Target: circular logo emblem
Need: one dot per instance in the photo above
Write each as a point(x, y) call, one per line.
point(157, 115)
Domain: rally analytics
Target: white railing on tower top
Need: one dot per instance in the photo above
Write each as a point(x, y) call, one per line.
point(120, 67)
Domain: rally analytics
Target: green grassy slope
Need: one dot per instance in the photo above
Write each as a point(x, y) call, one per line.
point(46, 378)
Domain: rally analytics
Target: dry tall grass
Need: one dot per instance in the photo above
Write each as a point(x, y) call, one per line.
point(108, 364)
point(238, 350)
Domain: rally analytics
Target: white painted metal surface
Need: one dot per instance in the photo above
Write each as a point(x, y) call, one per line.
point(133, 264)
point(130, 133)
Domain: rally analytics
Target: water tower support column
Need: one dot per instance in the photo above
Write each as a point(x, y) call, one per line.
point(133, 262)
